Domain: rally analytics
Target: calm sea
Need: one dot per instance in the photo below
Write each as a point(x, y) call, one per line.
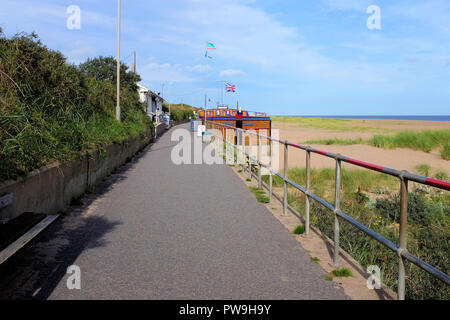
point(428, 118)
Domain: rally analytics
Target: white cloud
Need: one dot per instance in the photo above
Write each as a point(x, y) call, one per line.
point(357, 5)
point(79, 51)
point(246, 35)
point(200, 68)
point(163, 72)
point(231, 73)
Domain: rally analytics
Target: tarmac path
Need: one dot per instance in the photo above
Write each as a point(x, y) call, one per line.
point(156, 230)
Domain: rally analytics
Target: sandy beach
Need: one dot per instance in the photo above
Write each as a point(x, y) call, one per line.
point(398, 158)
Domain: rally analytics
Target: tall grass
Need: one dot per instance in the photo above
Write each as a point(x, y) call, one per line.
point(445, 151)
point(322, 180)
point(373, 200)
point(338, 141)
point(51, 110)
point(422, 140)
point(423, 169)
point(179, 112)
point(418, 140)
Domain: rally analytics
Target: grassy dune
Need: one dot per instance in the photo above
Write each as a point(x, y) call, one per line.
point(372, 199)
point(327, 123)
point(422, 140)
point(426, 141)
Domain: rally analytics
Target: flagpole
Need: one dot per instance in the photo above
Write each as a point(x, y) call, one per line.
point(206, 77)
point(222, 82)
point(208, 46)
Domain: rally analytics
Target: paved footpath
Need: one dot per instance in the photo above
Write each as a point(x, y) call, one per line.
point(160, 231)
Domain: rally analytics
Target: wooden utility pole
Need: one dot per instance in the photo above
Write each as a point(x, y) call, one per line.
point(134, 65)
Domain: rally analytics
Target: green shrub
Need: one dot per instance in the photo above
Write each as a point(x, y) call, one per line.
point(300, 229)
point(419, 207)
point(342, 272)
point(315, 260)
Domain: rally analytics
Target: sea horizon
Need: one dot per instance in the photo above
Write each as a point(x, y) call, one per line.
point(381, 117)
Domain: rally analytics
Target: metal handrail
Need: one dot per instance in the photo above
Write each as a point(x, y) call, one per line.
point(404, 177)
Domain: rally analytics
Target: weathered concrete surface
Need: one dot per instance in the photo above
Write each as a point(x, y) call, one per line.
point(160, 129)
point(51, 189)
point(168, 232)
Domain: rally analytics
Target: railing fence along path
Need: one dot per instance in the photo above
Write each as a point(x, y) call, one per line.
point(403, 176)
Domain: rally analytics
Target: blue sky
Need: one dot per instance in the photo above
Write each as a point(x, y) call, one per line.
point(285, 57)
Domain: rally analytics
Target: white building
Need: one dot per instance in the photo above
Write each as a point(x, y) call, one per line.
point(153, 102)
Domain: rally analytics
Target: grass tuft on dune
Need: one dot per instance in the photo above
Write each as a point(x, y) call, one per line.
point(426, 141)
point(422, 140)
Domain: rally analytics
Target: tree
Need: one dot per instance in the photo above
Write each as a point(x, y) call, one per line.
point(105, 68)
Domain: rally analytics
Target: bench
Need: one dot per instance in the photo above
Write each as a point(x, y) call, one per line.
point(16, 233)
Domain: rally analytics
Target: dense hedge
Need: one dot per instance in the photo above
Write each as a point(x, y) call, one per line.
point(52, 110)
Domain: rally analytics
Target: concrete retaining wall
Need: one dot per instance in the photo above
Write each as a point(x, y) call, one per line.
point(160, 129)
point(51, 189)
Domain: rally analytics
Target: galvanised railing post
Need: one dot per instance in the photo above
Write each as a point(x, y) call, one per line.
point(285, 198)
point(231, 144)
point(238, 145)
point(243, 150)
point(403, 236)
point(250, 155)
point(405, 177)
point(270, 173)
point(225, 142)
point(336, 209)
point(234, 149)
point(259, 162)
point(240, 149)
point(308, 181)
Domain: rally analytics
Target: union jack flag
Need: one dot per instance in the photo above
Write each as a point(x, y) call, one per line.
point(230, 88)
